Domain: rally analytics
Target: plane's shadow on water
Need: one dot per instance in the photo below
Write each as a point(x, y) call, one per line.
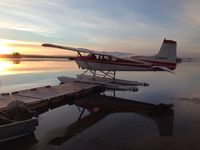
point(101, 106)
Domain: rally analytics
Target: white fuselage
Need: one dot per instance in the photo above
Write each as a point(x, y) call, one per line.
point(119, 64)
point(110, 66)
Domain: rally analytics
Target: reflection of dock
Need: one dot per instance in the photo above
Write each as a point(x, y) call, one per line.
point(100, 106)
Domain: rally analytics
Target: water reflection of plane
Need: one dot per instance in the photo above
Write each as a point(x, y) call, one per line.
point(101, 106)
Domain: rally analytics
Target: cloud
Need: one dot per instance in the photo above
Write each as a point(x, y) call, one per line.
point(26, 16)
point(192, 11)
point(53, 17)
point(13, 25)
point(106, 24)
point(25, 47)
point(9, 42)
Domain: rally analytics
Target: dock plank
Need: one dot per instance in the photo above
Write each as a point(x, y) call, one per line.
point(47, 94)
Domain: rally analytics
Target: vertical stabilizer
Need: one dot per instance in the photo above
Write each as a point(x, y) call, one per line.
point(167, 51)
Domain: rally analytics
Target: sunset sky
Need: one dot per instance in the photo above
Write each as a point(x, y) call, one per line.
point(137, 26)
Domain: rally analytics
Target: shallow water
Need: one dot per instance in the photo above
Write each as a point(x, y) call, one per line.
point(116, 127)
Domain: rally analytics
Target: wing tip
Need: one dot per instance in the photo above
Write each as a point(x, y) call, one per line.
point(46, 44)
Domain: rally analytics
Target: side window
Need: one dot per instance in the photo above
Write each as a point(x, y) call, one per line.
point(106, 57)
point(114, 59)
point(100, 57)
point(92, 56)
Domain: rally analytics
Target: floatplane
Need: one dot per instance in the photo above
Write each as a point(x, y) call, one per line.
point(105, 64)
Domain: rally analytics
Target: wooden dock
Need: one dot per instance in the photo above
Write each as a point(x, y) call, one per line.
point(70, 89)
point(50, 96)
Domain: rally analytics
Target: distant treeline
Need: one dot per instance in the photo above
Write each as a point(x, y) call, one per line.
point(18, 55)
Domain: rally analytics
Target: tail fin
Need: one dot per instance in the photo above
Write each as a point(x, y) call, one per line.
point(167, 51)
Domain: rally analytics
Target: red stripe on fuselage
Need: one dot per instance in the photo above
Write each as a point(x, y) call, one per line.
point(161, 63)
point(117, 62)
point(127, 62)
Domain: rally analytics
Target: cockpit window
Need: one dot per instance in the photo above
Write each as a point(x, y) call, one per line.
point(114, 59)
point(106, 58)
point(92, 56)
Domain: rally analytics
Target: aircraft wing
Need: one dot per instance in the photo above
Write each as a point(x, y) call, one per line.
point(120, 55)
point(84, 50)
point(163, 68)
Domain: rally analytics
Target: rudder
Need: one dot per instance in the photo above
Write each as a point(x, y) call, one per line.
point(167, 51)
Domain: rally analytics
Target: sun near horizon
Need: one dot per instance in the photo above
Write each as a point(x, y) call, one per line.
point(5, 49)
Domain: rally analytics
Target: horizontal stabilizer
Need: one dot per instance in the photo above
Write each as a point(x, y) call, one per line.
point(163, 68)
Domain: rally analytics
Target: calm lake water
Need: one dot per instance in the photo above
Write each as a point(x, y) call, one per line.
point(112, 123)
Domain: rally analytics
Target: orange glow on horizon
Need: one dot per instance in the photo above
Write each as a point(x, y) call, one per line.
point(20, 67)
